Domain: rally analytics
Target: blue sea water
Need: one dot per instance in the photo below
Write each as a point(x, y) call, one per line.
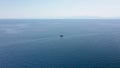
point(34, 43)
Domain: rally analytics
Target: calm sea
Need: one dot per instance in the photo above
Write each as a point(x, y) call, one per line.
point(26, 43)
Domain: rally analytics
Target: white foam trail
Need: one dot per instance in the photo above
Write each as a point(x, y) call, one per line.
point(13, 29)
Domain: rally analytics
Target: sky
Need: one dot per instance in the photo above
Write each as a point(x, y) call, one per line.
point(59, 8)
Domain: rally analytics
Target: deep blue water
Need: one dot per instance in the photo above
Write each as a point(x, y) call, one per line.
point(36, 43)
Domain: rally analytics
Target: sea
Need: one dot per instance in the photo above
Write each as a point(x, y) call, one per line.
point(37, 43)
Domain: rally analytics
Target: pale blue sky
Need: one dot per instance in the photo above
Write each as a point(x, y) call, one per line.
point(59, 8)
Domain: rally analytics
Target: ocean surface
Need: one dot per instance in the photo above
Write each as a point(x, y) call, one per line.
point(34, 43)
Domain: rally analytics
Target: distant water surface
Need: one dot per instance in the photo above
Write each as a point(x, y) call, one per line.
point(36, 43)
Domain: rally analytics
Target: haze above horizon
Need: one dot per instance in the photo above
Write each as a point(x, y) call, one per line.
point(54, 9)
